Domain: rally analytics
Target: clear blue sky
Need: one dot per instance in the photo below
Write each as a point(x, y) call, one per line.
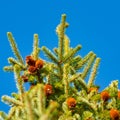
point(93, 23)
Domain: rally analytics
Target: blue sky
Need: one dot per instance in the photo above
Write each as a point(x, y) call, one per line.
point(95, 24)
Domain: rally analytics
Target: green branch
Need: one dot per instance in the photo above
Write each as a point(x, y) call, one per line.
point(36, 49)
point(11, 101)
point(49, 54)
point(14, 47)
point(83, 61)
point(19, 82)
point(93, 73)
point(12, 61)
point(65, 78)
point(88, 66)
point(71, 53)
point(8, 68)
point(60, 31)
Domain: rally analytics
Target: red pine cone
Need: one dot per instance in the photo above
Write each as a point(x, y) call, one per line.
point(114, 114)
point(30, 60)
point(71, 102)
point(48, 89)
point(119, 94)
point(104, 95)
point(32, 69)
point(24, 78)
point(39, 64)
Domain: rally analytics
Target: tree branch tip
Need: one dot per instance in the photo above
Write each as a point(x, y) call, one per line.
point(35, 35)
point(79, 46)
point(43, 47)
point(64, 15)
point(9, 33)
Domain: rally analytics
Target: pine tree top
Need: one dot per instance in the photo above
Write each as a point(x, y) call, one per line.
point(62, 88)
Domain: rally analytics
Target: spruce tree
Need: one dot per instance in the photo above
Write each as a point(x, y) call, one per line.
point(62, 88)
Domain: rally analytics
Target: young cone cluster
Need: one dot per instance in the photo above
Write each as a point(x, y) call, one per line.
point(71, 102)
point(114, 114)
point(48, 89)
point(105, 95)
point(34, 65)
point(62, 88)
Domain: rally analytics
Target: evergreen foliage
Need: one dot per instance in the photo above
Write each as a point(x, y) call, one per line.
point(62, 88)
